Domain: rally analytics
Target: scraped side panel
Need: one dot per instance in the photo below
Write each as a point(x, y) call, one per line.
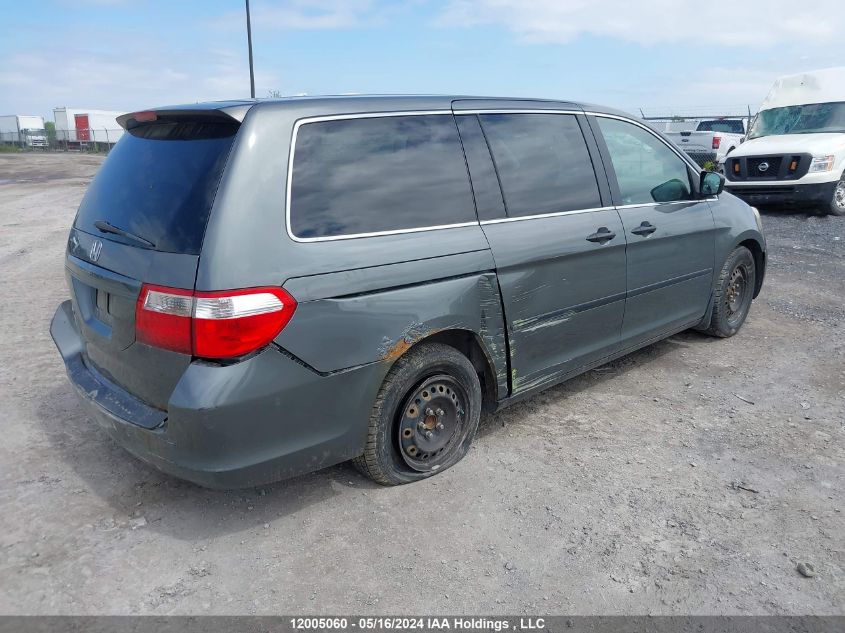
point(333, 334)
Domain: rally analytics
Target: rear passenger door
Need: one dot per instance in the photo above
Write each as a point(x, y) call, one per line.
point(669, 230)
point(559, 250)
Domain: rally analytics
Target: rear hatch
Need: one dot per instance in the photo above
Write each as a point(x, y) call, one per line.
point(142, 221)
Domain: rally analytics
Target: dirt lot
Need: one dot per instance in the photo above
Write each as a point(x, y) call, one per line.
point(690, 477)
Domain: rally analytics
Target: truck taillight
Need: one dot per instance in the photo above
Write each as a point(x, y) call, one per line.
point(224, 324)
point(717, 141)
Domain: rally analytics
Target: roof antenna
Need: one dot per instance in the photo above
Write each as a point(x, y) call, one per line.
point(249, 43)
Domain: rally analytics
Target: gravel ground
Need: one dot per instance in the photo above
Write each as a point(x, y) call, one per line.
point(691, 477)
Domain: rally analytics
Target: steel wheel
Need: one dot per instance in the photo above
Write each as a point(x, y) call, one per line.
point(839, 197)
point(733, 293)
point(432, 422)
point(424, 417)
point(736, 294)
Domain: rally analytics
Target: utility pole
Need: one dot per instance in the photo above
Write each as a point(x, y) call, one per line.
point(249, 42)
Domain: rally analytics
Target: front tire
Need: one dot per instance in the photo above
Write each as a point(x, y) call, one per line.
point(734, 293)
point(424, 418)
point(837, 203)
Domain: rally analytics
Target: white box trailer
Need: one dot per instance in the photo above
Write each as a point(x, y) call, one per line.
point(23, 130)
point(83, 125)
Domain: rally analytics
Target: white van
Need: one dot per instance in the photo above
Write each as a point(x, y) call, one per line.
point(795, 152)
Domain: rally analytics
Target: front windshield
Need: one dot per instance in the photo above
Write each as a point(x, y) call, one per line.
point(800, 119)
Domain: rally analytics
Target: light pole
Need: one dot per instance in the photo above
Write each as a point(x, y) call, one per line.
point(249, 43)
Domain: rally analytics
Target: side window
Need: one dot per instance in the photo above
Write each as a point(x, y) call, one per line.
point(543, 163)
point(646, 169)
point(485, 184)
point(366, 175)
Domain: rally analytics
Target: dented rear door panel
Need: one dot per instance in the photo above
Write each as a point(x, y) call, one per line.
point(564, 297)
point(357, 326)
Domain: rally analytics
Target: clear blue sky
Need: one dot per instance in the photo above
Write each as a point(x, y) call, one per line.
point(658, 55)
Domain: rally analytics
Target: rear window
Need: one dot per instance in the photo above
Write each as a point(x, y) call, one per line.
point(159, 183)
point(367, 175)
point(728, 126)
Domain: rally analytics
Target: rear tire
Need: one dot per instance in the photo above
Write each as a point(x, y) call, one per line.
point(424, 418)
point(837, 203)
point(733, 294)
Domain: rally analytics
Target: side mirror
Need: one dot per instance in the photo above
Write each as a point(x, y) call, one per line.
point(670, 191)
point(711, 183)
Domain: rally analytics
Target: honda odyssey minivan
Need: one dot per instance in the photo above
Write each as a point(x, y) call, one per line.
point(260, 289)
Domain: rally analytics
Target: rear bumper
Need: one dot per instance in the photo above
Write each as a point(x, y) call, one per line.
point(815, 194)
point(258, 421)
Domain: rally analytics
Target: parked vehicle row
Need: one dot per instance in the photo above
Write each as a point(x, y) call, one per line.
point(74, 128)
point(261, 289)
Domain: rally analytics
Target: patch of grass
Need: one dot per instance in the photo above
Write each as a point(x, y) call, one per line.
point(9, 149)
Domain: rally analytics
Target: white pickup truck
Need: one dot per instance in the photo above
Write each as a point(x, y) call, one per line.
point(711, 135)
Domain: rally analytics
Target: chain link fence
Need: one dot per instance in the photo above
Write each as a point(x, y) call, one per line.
point(79, 140)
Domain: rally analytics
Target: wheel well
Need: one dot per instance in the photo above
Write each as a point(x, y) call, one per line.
point(468, 344)
point(759, 262)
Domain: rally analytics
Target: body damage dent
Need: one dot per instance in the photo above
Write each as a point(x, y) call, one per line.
point(330, 334)
point(539, 322)
point(391, 351)
point(489, 330)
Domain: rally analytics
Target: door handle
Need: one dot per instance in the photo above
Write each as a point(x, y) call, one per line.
point(644, 229)
point(601, 236)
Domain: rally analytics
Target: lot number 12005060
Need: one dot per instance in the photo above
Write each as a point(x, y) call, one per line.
point(310, 624)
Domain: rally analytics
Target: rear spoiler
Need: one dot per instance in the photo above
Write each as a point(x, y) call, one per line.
point(234, 113)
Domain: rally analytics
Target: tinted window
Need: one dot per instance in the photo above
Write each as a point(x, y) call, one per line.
point(485, 183)
point(159, 183)
point(378, 174)
point(647, 170)
point(543, 162)
point(729, 126)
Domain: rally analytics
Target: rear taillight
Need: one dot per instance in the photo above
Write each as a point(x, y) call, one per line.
point(163, 318)
point(237, 322)
point(223, 324)
point(717, 141)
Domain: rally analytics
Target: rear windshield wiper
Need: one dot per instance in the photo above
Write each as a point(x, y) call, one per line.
point(105, 227)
